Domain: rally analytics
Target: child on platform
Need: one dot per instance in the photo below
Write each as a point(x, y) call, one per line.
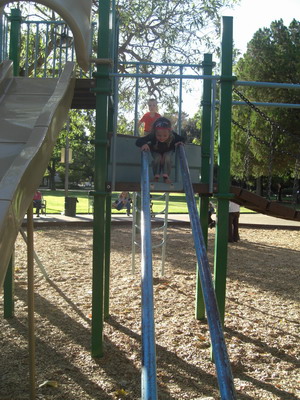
point(151, 116)
point(162, 142)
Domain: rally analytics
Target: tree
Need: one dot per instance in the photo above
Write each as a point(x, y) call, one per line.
point(171, 31)
point(270, 140)
point(80, 133)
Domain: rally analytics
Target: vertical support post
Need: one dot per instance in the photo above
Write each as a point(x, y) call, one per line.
point(67, 160)
point(8, 289)
point(212, 137)
point(180, 103)
point(136, 133)
point(107, 256)
point(30, 276)
point(165, 235)
point(207, 65)
point(133, 237)
point(221, 250)
point(108, 224)
point(101, 137)
point(1, 34)
point(14, 45)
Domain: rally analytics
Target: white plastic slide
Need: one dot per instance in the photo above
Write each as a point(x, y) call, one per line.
point(32, 113)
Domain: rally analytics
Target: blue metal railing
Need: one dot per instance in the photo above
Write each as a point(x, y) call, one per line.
point(224, 375)
point(3, 38)
point(148, 378)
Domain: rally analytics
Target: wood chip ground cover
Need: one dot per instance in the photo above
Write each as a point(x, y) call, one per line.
point(262, 320)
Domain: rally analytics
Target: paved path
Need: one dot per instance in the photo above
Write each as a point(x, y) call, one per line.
point(252, 220)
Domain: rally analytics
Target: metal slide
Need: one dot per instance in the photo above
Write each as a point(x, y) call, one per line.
point(149, 386)
point(32, 113)
point(224, 375)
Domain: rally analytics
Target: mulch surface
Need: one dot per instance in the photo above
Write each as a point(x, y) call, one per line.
point(261, 321)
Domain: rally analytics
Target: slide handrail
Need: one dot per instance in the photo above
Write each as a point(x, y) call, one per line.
point(222, 363)
point(149, 386)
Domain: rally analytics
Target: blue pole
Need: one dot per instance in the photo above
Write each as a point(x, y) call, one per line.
point(180, 104)
point(136, 102)
point(149, 387)
point(263, 104)
point(224, 375)
point(268, 84)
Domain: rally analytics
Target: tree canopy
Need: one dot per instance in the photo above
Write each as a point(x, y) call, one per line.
point(270, 140)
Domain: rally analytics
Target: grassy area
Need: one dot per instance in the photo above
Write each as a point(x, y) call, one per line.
point(56, 202)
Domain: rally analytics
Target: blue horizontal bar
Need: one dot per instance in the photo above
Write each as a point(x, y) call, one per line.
point(167, 76)
point(268, 84)
point(256, 103)
point(159, 64)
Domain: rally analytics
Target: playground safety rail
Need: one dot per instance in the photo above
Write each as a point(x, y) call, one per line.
point(163, 228)
point(222, 363)
point(148, 378)
point(52, 38)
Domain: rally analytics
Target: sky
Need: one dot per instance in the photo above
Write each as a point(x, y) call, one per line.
point(248, 17)
point(252, 15)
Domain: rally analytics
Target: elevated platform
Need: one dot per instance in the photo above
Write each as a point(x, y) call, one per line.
point(128, 166)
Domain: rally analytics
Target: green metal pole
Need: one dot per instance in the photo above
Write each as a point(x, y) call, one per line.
point(220, 264)
point(14, 44)
point(8, 288)
point(113, 48)
point(30, 304)
point(207, 65)
point(102, 91)
point(14, 55)
point(107, 256)
point(108, 227)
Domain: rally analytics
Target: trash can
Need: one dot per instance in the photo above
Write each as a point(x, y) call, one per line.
point(70, 206)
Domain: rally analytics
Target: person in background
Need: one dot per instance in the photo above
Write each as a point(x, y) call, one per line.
point(211, 210)
point(123, 201)
point(151, 116)
point(161, 142)
point(233, 225)
point(37, 202)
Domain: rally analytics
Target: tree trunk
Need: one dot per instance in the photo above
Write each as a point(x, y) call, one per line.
point(258, 190)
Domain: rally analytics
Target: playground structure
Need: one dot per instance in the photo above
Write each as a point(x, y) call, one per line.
point(38, 146)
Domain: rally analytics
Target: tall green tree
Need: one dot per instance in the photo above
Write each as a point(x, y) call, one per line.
point(269, 142)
